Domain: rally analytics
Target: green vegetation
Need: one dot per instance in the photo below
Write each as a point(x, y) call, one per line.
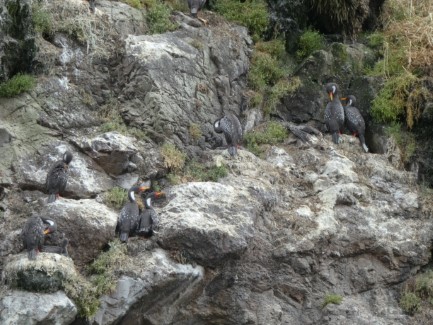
point(16, 85)
point(198, 172)
point(309, 42)
point(158, 17)
point(332, 299)
point(418, 294)
point(173, 158)
point(116, 197)
point(42, 20)
point(110, 114)
point(406, 62)
point(195, 131)
point(86, 293)
point(272, 133)
point(376, 40)
point(250, 13)
point(269, 66)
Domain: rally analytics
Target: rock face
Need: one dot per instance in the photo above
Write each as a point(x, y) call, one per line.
point(19, 307)
point(264, 245)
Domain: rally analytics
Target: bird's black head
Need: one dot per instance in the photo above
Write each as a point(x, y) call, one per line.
point(67, 157)
point(351, 100)
point(331, 89)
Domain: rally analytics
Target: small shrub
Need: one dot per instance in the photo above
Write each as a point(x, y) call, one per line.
point(282, 88)
point(16, 85)
point(275, 48)
point(273, 133)
point(158, 18)
point(309, 42)
point(116, 197)
point(376, 40)
point(42, 20)
point(265, 71)
point(332, 299)
point(195, 131)
point(250, 13)
point(133, 3)
point(410, 302)
point(195, 171)
point(174, 159)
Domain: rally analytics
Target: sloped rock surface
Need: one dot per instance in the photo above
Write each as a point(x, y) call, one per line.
point(19, 307)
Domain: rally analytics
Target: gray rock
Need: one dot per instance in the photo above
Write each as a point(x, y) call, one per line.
point(18, 307)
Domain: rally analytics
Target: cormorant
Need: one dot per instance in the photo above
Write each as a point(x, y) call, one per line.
point(148, 217)
point(195, 6)
point(232, 129)
point(334, 112)
point(33, 234)
point(354, 120)
point(57, 177)
point(129, 215)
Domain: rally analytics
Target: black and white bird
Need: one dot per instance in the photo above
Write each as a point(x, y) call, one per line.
point(194, 7)
point(354, 121)
point(148, 218)
point(231, 127)
point(334, 112)
point(127, 223)
point(33, 234)
point(57, 177)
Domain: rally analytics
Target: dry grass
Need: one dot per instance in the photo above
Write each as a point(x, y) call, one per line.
point(410, 26)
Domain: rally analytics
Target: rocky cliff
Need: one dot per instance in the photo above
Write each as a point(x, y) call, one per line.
point(269, 243)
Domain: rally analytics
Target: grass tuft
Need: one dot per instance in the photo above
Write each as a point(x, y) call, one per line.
point(309, 42)
point(272, 133)
point(173, 158)
point(116, 197)
point(16, 85)
point(332, 299)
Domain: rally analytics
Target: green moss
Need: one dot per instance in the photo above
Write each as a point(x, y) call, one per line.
point(309, 42)
point(376, 40)
point(16, 85)
point(250, 13)
point(158, 18)
point(116, 197)
point(332, 299)
point(272, 133)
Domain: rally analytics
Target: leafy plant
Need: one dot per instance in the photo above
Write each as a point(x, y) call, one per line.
point(264, 71)
point(332, 299)
point(250, 13)
point(418, 293)
point(158, 17)
point(42, 20)
point(16, 85)
point(272, 133)
point(116, 197)
point(173, 158)
point(309, 42)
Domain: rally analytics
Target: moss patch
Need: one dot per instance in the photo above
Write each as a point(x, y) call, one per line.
point(16, 85)
point(270, 133)
point(331, 299)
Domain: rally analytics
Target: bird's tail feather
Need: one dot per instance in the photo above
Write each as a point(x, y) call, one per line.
point(124, 237)
point(362, 140)
point(51, 198)
point(335, 137)
point(32, 254)
point(233, 151)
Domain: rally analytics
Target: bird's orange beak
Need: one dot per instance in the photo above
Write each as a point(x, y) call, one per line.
point(159, 194)
point(331, 95)
point(143, 188)
point(343, 98)
point(46, 231)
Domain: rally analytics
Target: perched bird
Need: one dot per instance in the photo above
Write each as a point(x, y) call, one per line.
point(354, 120)
point(194, 7)
point(334, 112)
point(33, 234)
point(148, 217)
point(57, 177)
point(129, 215)
point(231, 127)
